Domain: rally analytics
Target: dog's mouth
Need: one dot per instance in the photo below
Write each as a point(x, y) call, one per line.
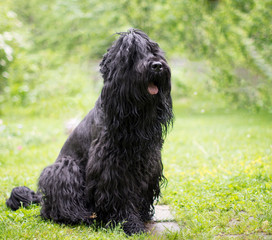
point(152, 88)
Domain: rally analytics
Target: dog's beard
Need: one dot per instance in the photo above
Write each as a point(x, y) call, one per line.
point(159, 82)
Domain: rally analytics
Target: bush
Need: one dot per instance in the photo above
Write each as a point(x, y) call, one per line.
point(235, 38)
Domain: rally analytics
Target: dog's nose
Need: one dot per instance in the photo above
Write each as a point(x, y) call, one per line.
point(156, 66)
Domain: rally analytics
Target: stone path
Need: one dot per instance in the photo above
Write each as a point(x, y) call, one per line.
point(163, 221)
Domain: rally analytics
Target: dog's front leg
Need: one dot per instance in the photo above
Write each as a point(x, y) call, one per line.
point(111, 190)
point(133, 224)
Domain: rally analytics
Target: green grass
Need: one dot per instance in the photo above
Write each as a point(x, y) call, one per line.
point(219, 170)
point(218, 166)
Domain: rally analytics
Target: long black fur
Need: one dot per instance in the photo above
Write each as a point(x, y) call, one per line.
point(110, 167)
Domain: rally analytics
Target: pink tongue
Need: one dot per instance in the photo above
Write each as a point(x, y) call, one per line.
point(152, 89)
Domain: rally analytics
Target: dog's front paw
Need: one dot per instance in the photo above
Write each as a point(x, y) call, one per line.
point(134, 228)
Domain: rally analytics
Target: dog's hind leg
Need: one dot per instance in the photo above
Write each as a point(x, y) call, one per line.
point(62, 185)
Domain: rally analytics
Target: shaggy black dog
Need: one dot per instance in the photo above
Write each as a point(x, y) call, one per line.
point(110, 169)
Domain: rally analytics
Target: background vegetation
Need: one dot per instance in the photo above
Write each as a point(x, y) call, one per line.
point(218, 156)
point(232, 39)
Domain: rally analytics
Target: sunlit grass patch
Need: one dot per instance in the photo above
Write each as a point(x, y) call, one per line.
point(219, 171)
point(218, 168)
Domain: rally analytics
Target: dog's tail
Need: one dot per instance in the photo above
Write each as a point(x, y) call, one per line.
point(22, 197)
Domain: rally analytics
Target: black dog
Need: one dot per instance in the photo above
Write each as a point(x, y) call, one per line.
point(110, 167)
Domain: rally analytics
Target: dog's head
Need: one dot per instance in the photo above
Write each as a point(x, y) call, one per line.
point(136, 63)
point(137, 81)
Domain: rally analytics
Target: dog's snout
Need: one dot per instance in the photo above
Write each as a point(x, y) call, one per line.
point(156, 66)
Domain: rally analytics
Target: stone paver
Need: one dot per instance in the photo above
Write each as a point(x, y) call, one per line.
point(163, 214)
point(160, 227)
point(163, 221)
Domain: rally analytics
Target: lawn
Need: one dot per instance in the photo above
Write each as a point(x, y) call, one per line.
point(218, 165)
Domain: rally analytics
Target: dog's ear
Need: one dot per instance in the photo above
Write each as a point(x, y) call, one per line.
point(103, 65)
point(111, 103)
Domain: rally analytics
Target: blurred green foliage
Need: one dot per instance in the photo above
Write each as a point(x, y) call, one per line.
point(232, 39)
point(8, 40)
